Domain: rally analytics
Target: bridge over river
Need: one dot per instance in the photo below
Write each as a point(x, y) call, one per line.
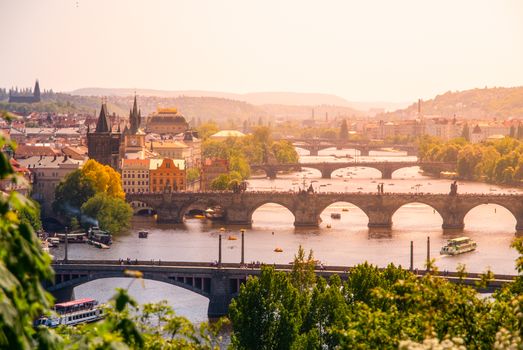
point(327, 168)
point(219, 283)
point(314, 145)
point(307, 207)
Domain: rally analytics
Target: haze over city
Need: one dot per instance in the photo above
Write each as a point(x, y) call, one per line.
point(393, 51)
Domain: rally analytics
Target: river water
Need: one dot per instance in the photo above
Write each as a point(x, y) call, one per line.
point(347, 242)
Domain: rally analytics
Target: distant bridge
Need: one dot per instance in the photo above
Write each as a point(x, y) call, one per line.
point(217, 283)
point(307, 207)
point(327, 168)
point(314, 145)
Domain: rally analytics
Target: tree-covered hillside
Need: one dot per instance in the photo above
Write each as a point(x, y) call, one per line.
point(471, 104)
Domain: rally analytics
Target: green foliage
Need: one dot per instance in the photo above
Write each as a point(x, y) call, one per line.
point(267, 313)
point(30, 215)
point(344, 130)
point(250, 149)
point(94, 191)
point(499, 161)
point(113, 214)
point(374, 309)
point(207, 129)
point(193, 174)
point(23, 267)
point(72, 192)
point(284, 152)
point(226, 181)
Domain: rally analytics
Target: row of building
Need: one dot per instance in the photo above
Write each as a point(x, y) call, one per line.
point(146, 164)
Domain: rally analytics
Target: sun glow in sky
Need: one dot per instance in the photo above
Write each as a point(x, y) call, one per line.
point(365, 50)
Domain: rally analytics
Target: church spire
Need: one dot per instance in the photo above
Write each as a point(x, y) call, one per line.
point(134, 117)
point(103, 124)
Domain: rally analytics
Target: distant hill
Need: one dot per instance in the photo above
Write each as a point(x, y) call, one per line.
point(255, 98)
point(501, 103)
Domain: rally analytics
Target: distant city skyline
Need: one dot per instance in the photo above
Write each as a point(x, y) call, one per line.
point(393, 51)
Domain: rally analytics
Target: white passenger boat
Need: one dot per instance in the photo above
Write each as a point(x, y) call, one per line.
point(458, 245)
point(72, 312)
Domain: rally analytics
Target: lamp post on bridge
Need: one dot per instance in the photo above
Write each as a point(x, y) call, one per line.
point(243, 247)
point(66, 244)
point(220, 247)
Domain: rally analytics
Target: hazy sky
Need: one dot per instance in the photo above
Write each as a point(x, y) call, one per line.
point(360, 50)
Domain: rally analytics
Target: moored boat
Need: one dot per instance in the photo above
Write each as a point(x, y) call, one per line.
point(72, 312)
point(95, 234)
point(143, 234)
point(215, 213)
point(458, 245)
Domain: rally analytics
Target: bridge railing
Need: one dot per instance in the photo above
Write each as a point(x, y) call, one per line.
point(282, 267)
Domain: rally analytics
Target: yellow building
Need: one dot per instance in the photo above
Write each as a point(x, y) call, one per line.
point(135, 175)
point(167, 175)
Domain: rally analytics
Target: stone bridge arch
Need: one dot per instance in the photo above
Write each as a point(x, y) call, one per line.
point(66, 285)
point(513, 205)
point(199, 203)
point(257, 205)
point(327, 204)
point(434, 206)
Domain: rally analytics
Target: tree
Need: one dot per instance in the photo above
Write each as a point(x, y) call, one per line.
point(23, 267)
point(284, 152)
point(344, 130)
point(30, 215)
point(266, 314)
point(104, 178)
point(113, 214)
point(72, 192)
point(193, 174)
point(465, 133)
point(207, 129)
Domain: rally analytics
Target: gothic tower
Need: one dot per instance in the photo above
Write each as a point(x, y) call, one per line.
point(36, 92)
point(135, 117)
point(103, 145)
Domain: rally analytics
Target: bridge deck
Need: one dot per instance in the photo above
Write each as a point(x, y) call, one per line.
point(237, 267)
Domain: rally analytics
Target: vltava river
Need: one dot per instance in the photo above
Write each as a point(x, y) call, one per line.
point(349, 241)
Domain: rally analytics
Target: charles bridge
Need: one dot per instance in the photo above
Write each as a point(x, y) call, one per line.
point(307, 207)
point(220, 282)
point(327, 168)
point(314, 145)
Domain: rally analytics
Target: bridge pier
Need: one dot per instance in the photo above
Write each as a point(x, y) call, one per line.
point(64, 294)
point(364, 152)
point(453, 221)
point(326, 173)
point(168, 215)
point(379, 219)
point(306, 218)
point(220, 295)
point(313, 152)
point(386, 173)
point(519, 224)
point(271, 173)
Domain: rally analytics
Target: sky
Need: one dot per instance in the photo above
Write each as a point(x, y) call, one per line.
point(367, 50)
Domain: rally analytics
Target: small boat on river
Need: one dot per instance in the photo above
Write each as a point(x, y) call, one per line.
point(458, 245)
point(97, 235)
point(143, 234)
point(278, 250)
point(215, 213)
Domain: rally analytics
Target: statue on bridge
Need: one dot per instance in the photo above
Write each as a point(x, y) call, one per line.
point(453, 188)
